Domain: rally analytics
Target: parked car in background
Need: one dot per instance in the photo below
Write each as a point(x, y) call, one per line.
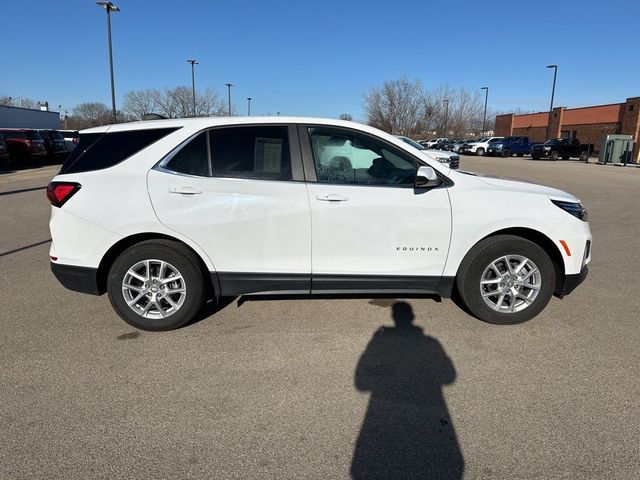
point(479, 147)
point(24, 144)
point(431, 143)
point(446, 158)
point(440, 144)
point(219, 207)
point(70, 138)
point(508, 146)
point(564, 148)
point(4, 152)
point(54, 143)
point(456, 145)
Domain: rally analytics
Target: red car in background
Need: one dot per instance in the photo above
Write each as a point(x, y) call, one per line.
point(4, 152)
point(24, 144)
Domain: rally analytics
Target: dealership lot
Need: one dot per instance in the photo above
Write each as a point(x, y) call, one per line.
point(278, 389)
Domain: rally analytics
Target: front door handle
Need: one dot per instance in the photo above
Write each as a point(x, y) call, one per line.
point(331, 197)
point(185, 190)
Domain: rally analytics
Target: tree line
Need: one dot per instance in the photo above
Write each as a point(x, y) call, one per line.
point(402, 107)
point(405, 107)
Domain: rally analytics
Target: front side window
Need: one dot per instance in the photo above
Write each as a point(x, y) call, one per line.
point(260, 153)
point(346, 157)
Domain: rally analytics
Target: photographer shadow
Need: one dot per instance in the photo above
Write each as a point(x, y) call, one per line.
point(407, 431)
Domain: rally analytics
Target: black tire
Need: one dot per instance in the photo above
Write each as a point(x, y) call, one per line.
point(177, 255)
point(486, 252)
point(506, 153)
point(480, 152)
point(584, 157)
point(554, 156)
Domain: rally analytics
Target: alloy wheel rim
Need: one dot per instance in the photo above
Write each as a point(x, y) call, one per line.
point(154, 289)
point(510, 283)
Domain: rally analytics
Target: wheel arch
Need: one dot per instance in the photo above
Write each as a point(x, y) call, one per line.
point(544, 242)
point(120, 246)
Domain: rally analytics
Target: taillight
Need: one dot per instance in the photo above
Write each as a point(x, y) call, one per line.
point(59, 192)
point(75, 140)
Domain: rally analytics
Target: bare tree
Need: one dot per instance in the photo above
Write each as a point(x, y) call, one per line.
point(173, 103)
point(139, 102)
point(397, 106)
point(89, 114)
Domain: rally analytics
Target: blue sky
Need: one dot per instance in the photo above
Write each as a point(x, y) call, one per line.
point(320, 58)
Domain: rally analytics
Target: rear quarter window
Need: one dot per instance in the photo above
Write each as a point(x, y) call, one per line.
point(96, 151)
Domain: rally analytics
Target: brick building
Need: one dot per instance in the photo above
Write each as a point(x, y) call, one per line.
point(588, 124)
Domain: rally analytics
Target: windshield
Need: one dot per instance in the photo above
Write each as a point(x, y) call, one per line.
point(412, 143)
point(494, 140)
point(553, 141)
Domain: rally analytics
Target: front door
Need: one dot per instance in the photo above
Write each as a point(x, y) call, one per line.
point(371, 229)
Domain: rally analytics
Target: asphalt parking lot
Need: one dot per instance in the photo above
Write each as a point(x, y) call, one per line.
point(326, 388)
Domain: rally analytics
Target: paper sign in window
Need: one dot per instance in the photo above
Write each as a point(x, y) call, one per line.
point(268, 155)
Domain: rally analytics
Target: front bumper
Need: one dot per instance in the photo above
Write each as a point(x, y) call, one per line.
point(571, 282)
point(78, 279)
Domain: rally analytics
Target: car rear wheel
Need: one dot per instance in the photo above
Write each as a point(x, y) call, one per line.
point(156, 285)
point(480, 152)
point(506, 153)
point(506, 280)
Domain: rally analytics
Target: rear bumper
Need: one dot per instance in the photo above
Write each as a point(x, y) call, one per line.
point(571, 282)
point(78, 279)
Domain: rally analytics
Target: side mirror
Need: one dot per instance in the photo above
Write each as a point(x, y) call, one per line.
point(426, 178)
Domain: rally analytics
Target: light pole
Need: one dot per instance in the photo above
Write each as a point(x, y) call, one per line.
point(553, 92)
point(446, 116)
point(484, 117)
point(229, 85)
point(110, 7)
point(249, 106)
point(193, 63)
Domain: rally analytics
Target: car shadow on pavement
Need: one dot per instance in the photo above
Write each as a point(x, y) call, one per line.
point(407, 431)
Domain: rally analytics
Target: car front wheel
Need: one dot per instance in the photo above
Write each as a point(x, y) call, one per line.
point(480, 152)
point(506, 280)
point(156, 285)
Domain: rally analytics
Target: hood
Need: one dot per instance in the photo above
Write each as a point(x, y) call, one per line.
point(515, 185)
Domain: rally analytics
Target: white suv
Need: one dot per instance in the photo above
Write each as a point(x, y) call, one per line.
point(167, 214)
point(479, 147)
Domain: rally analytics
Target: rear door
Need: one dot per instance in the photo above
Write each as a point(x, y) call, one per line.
point(371, 229)
point(238, 192)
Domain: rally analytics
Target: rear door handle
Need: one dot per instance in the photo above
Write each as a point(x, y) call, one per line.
point(185, 190)
point(331, 197)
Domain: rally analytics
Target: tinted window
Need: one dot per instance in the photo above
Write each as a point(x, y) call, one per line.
point(347, 157)
point(192, 159)
point(55, 135)
point(102, 150)
point(31, 135)
point(251, 152)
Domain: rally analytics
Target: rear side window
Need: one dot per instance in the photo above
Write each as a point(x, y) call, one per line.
point(96, 151)
point(14, 135)
point(192, 159)
point(260, 153)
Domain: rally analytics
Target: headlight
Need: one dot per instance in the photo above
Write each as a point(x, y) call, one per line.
point(575, 209)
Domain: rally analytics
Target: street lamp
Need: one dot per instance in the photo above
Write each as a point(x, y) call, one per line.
point(446, 115)
point(484, 117)
point(193, 63)
point(229, 85)
point(553, 92)
point(249, 106)
point(110, 7)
